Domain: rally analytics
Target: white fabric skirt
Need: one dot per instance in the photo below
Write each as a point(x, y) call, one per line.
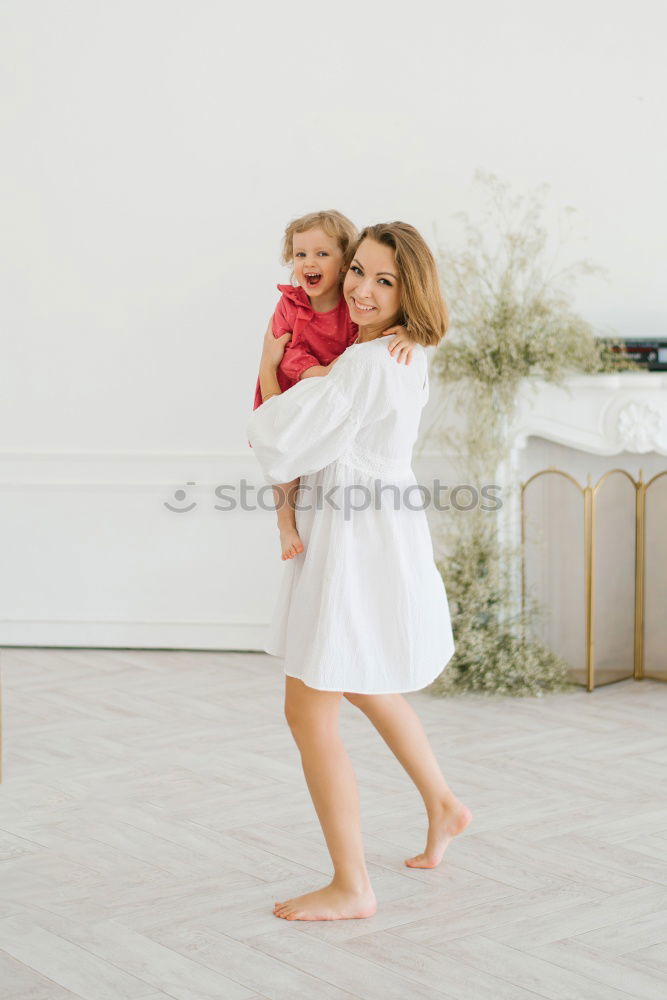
point(363, 609)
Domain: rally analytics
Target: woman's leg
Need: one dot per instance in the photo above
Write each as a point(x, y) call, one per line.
point(313, 718)
point(401, 729)
point(284, 497)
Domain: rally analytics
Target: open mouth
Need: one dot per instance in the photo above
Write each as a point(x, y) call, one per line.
point(313, 279)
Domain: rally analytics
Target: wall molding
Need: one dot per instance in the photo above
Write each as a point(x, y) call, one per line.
point(145, 456)
point(140, 471)
point(222, 636)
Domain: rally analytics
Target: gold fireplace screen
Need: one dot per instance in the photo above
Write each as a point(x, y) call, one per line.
point(598, 570)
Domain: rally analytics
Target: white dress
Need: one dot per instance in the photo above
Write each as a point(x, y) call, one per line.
point(363, 608)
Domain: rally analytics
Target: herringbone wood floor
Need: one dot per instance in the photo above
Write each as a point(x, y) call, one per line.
point(153, 808)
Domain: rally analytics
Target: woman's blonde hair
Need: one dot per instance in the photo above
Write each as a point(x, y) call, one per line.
point(423, 308)
point(333, 223)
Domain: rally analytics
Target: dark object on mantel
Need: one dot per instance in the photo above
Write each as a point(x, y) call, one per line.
point(650, 354)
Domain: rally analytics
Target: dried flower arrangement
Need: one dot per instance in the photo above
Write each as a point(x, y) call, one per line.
point(511, 319)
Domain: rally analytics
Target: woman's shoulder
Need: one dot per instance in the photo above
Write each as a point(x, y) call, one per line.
point(370, 368)
point(376, 353)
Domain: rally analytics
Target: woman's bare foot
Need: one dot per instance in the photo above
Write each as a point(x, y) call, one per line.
point(445, 823)
point(290, 542)
point(330, 903)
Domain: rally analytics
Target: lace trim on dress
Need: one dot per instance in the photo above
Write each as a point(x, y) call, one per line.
point(374, 464)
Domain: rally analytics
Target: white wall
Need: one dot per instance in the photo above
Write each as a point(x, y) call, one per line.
point(153, 152)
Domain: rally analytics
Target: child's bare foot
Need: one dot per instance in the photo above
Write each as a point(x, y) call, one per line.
point(330, 903)
point(290, 542)
point(445, 823)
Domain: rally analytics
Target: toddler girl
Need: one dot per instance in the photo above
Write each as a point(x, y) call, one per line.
point(319, 247)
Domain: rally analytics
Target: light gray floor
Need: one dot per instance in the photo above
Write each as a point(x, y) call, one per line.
point(153, 808)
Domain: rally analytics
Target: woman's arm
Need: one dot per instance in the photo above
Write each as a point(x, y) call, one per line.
point(311, 424)
point(268, 381)
point(273, 349)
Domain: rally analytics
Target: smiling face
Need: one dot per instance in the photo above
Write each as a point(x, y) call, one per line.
point(318, 265)
point(372, 287)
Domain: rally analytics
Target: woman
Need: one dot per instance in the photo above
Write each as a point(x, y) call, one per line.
point(362, 612)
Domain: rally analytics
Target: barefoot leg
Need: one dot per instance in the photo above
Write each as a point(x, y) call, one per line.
point(313, 718)
point(285, 496)
point(401, 729)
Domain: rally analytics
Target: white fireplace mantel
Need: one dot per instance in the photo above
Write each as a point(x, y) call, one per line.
point(595, 414)
point(601, 414)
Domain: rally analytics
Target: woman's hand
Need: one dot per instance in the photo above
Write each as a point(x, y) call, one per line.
point(401, 347)
point(273, 348)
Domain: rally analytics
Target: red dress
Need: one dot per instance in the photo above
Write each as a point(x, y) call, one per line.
point(317, 338)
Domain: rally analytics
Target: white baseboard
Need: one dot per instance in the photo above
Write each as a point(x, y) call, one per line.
point(224, 636)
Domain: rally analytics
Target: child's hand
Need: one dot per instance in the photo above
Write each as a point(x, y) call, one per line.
point(273, 347)
point(401, 343)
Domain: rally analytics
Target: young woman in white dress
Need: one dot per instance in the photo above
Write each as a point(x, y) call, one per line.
point(362, 613)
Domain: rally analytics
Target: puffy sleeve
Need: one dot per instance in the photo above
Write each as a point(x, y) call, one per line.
point(310, 425)
point(283, 317)
point(296, 360)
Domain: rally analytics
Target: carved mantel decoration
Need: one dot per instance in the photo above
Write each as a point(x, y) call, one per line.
point(639, 427)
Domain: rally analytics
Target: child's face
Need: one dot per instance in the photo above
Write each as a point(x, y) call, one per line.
point(317, 261)
point(372, 287)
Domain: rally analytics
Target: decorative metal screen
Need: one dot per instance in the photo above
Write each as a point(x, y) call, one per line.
point(594, 558)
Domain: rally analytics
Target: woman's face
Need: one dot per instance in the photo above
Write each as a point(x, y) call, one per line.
point(372, 288)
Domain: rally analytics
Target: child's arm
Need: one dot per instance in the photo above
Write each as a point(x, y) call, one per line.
point(297, 361)
point(319, 369)
point(400, 343)
point(316, 370)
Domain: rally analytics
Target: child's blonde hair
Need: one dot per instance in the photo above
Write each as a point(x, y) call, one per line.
point(423, 308)
point(333, 223)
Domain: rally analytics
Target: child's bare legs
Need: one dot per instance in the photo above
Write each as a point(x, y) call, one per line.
point(313, 718)
point(400, 727)
point(284, 498)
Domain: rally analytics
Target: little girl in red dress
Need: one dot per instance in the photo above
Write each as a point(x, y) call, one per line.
point(319, 248)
